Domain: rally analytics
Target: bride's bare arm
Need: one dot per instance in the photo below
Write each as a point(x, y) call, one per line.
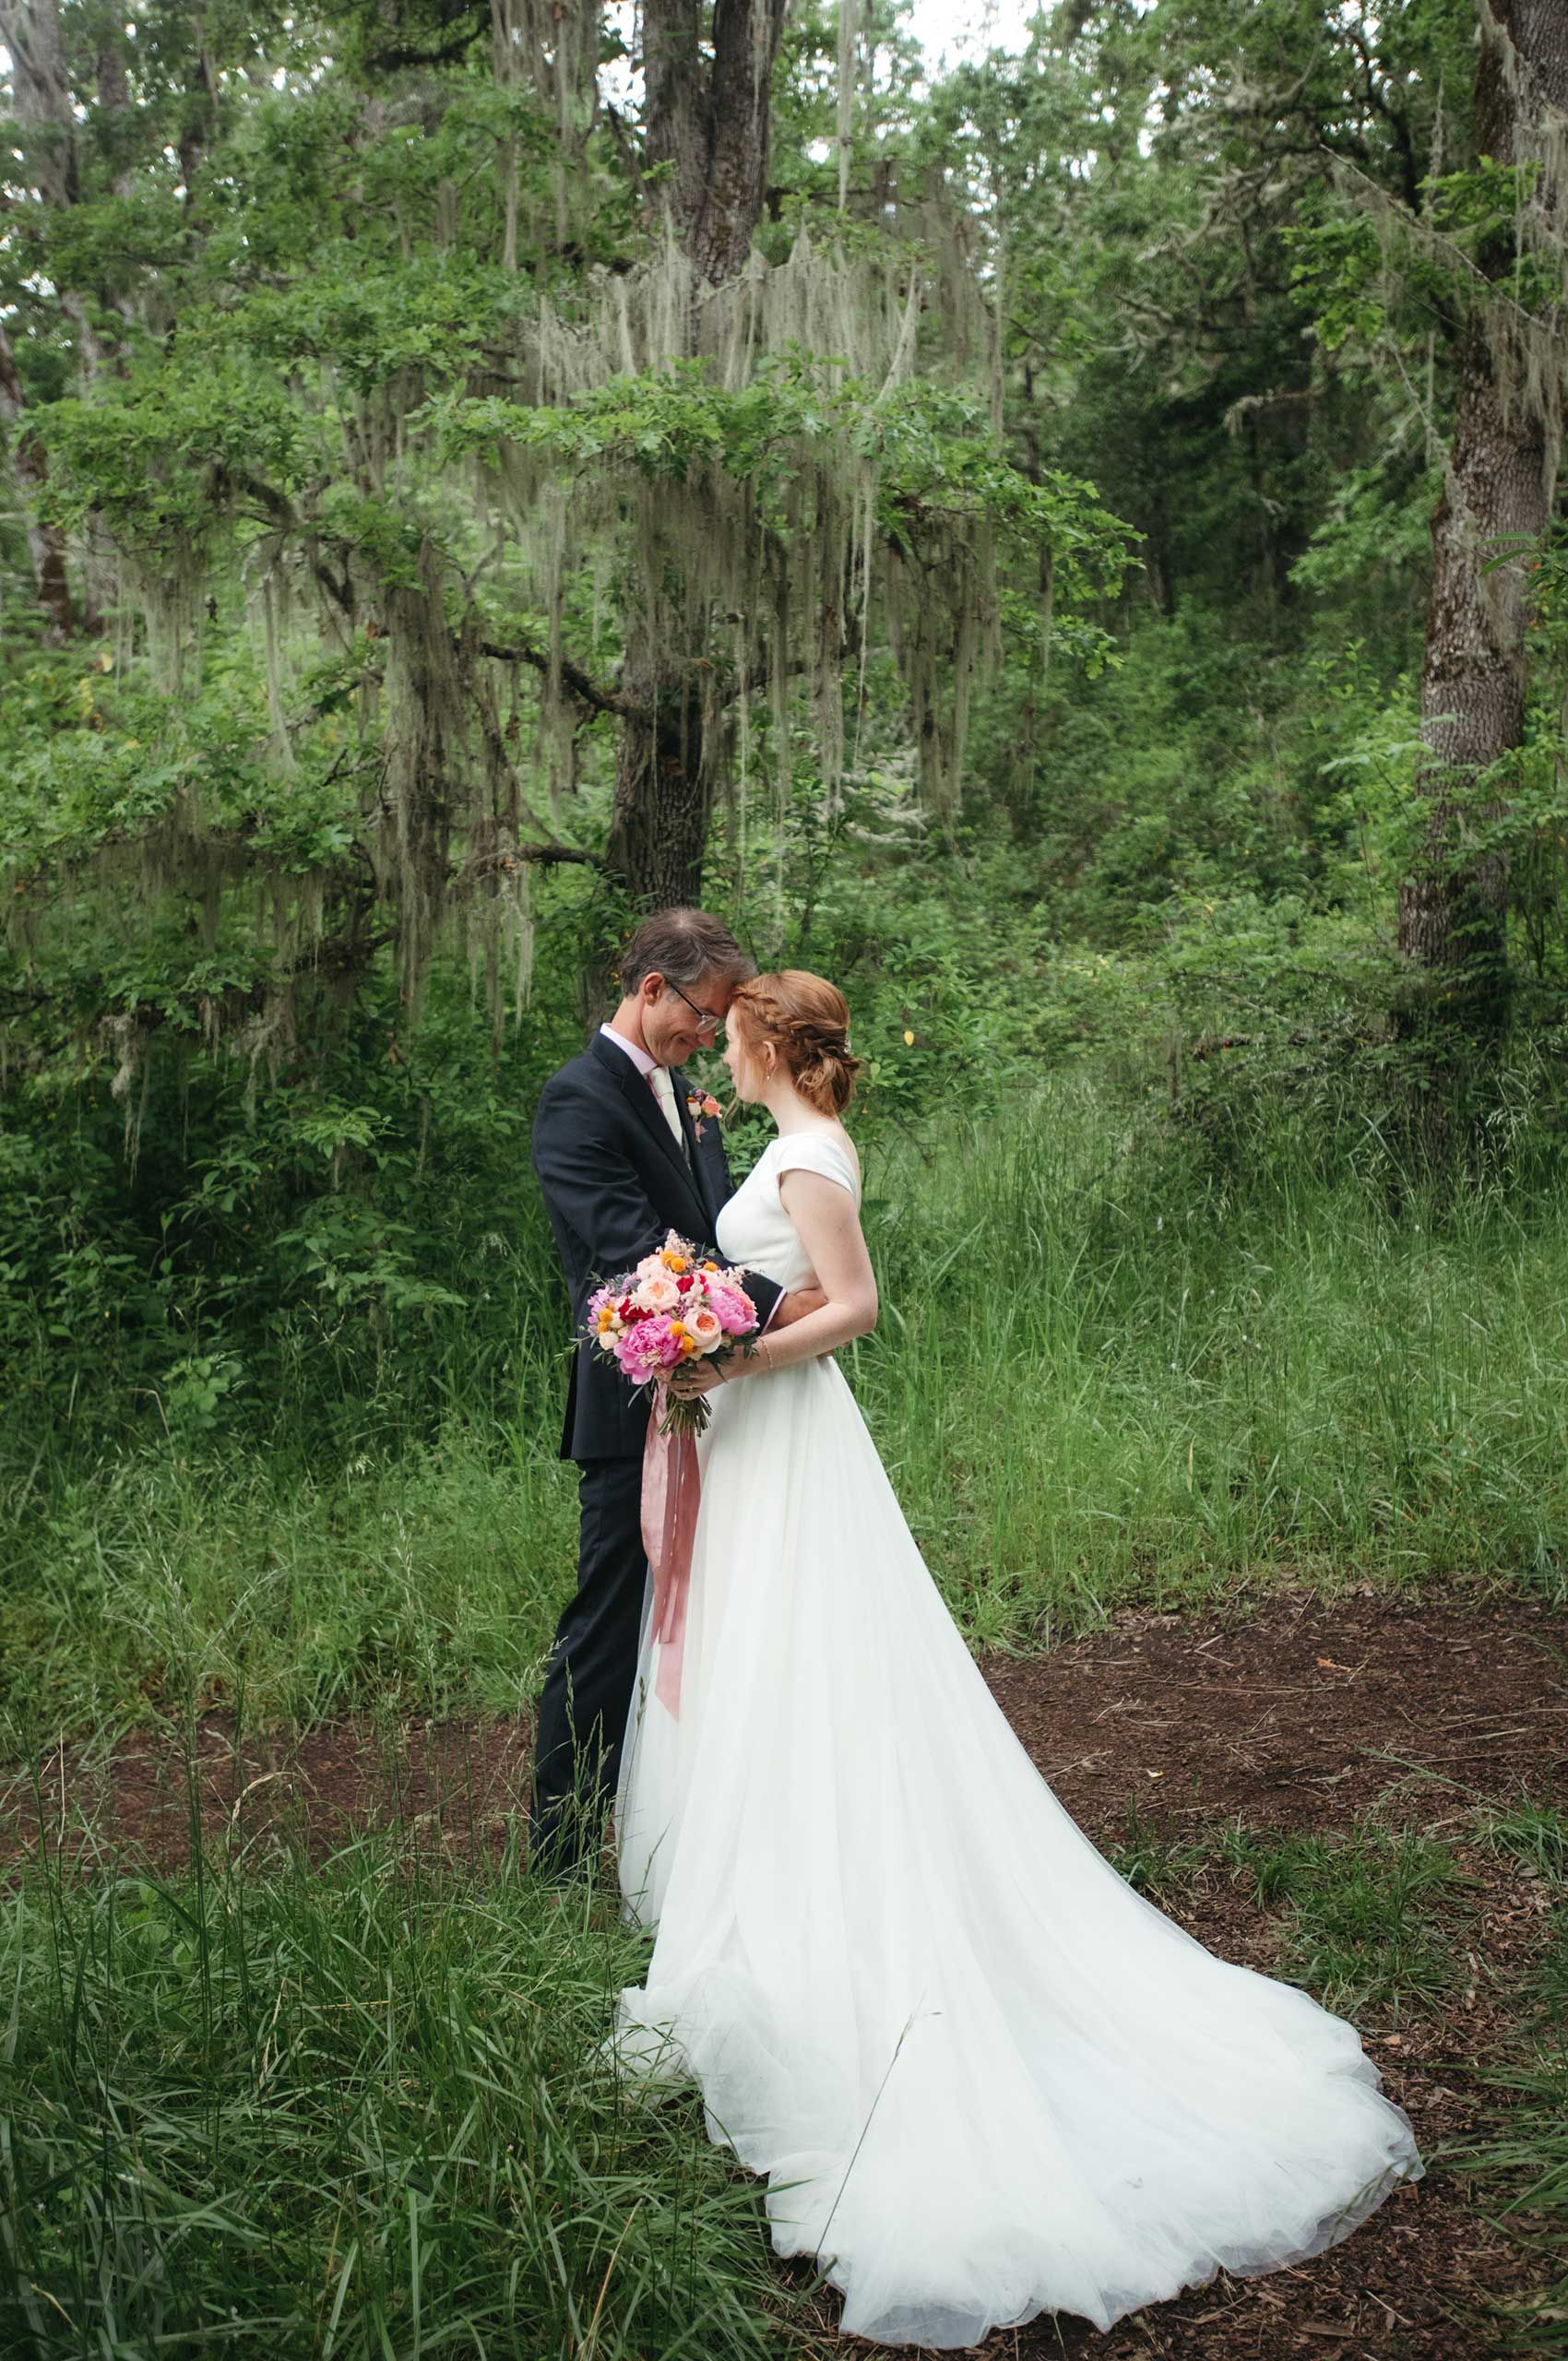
point(829, 1226)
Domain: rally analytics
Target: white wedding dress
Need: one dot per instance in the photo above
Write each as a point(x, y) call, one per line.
point(984, 2076)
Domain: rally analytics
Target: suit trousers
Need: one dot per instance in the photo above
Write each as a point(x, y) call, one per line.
point(586, 1699)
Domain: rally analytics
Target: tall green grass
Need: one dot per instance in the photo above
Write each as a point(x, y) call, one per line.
point(352, 2110)
point(1114, 1361)
point(1106, 1369)
point(427, 1576)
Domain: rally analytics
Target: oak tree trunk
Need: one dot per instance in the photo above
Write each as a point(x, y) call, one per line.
point(1452, 914)
point(46, 544)
point(1498, 485)
point(659, 819)
point(46, 114)
point(707, 124)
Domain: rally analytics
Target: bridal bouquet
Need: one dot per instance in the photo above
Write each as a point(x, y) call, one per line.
point(676, 1304)
point(672, 1307)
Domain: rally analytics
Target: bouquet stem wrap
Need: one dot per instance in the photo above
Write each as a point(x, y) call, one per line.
point(671, 1490)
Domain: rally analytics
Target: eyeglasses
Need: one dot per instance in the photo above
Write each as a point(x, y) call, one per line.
point(708, 1022)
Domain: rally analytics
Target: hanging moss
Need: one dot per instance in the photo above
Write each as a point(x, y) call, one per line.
point(807, 569)
point(738, 586)
point(1528, 342)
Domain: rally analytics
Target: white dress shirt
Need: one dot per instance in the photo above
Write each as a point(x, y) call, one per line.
point(660, 1081)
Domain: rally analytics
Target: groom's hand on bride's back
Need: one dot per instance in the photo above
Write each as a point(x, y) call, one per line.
point(797, 1305)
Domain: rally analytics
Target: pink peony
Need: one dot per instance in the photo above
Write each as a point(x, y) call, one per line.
point(643, 1350)
point(672, 1347)
point(734, 1309)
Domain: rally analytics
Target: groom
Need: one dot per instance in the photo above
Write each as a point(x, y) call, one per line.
point(621, 1159)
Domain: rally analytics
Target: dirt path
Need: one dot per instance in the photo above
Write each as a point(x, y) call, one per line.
point(1296, 1716)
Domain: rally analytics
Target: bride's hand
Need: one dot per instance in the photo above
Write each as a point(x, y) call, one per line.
point(693, 1378)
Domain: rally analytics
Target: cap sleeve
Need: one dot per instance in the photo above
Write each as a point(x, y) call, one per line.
point(817, 1152)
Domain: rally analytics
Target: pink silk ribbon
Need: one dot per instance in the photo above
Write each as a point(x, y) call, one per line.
point(671, 1490)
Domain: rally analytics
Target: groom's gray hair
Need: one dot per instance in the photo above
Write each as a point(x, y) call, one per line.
point(683, 945)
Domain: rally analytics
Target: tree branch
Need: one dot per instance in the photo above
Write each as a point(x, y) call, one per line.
point(586, 691)
point(286, 518)
point(471, 22)
point(551, 856)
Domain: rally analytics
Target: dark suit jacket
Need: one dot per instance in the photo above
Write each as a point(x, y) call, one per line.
point(614, 1182)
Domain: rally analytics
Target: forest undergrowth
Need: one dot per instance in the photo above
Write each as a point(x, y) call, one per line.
point(1111, 1365)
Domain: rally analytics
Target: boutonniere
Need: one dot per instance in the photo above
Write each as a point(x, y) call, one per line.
point(699, 1104)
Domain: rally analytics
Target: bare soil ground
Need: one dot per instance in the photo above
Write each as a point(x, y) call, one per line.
point(1297, 1714)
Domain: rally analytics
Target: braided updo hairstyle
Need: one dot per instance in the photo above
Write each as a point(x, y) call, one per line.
point(808, 1023)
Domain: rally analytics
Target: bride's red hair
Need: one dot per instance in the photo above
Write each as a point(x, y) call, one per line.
point(807, 1020)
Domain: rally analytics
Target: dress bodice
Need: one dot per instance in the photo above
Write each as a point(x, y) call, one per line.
point(753, 1228)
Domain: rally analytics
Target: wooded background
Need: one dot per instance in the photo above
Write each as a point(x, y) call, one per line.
point(1069, 547)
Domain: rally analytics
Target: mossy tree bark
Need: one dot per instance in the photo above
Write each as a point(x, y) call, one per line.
point(46, 542)
point(30, 31)
point(708, 124)
point(659, 827)
point(1497, 499)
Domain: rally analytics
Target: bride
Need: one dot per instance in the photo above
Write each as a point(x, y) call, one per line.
point(983, 2077)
